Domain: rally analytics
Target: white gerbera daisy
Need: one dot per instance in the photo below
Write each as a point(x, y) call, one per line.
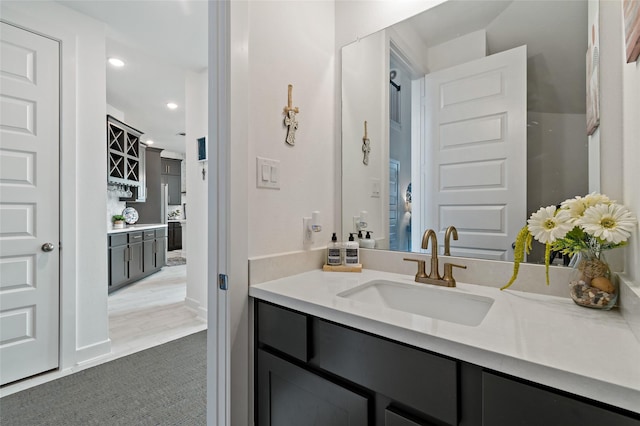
point(577, 206)
point(546, 226)
point(610, 222)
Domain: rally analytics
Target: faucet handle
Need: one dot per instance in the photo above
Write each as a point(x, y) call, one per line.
point(448, 273)
point(421, 267)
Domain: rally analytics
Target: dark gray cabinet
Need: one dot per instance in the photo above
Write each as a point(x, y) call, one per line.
point(175, 236)
point(512, 402)
point(134, 255)
point(292, 396)
point(154, 250)
point(123, 150)
point(171, 176)
point(404, 385)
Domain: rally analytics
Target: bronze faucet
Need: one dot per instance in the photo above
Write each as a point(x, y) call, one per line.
point(434, 277)
point(447, 239)
point(430, 235)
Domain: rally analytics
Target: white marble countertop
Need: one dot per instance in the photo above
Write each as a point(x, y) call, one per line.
point(137, 227)
point(544, 339)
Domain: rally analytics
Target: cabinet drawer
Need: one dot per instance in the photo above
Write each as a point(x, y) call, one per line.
point(511, 402)
point(161, 232)
point(119, 239)
point(283, 330)
point(149, 234)
point(135, 237)
point(423, 381)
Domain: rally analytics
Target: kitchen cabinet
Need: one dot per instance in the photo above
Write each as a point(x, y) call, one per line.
point(175, 236)
point(404, 385)
point(123, 151)
point(154, 249)
point(134, 255)
point(171, 176)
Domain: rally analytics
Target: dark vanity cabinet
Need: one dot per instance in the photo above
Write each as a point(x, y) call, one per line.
point(134, 255)
point(310, 371)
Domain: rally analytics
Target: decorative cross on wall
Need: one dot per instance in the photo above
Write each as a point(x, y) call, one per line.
point(290, 119)
point(366, 146)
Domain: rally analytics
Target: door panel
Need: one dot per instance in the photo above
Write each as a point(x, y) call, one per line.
point(29, 203)
point(473, 155)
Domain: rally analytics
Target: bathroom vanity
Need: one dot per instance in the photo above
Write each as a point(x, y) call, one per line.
point(328, 351)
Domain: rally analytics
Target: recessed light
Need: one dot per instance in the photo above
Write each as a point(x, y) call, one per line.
point(149, 142)
point(116, 62)
point(171, 105)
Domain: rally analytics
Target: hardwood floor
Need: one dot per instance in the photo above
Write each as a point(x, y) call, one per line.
point(142, 315)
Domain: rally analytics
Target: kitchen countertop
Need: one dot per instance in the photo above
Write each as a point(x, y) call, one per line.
point(137, 227)
point(544, 339)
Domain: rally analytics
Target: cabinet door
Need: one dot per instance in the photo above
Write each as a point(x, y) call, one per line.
point(177, 235)
point(149, 255)
point(175, 197)
point(118, 265)
point(136, 260)
point(292, 396)
point(160, 249)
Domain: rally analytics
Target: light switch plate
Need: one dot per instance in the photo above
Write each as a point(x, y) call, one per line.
point(267, 173)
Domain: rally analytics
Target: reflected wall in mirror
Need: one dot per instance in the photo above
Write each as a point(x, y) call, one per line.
point(476, 118)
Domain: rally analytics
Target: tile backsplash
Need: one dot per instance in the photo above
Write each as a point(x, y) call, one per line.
point(114, 206)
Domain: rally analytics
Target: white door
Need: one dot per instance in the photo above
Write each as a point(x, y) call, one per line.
point(473, 160)
point(29, 203)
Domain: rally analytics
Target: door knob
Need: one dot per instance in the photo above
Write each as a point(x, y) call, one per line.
point(47, 247)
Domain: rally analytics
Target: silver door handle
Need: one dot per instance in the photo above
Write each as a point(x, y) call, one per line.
point(48, 247)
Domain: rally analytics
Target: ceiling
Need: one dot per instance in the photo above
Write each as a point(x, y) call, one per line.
point(160, 41)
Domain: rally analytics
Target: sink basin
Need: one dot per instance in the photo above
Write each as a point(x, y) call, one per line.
point(460, 308)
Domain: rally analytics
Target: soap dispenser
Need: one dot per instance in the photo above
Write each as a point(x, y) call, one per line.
point(368, 242)
point(351, 252)
point(334, 255)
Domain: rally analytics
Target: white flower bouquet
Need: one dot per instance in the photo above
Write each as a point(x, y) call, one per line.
point(592, 223)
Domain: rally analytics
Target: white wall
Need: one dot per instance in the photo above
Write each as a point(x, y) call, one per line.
point(301, 53)
point(467, 47)
point(196, 90)
point(83, 285)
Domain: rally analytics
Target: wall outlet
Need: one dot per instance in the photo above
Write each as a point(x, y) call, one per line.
point(267, 173)
point(375, 188)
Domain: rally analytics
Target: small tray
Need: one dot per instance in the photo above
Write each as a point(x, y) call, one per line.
point(342, 268)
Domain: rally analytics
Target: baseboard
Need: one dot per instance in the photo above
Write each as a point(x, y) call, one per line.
point(195, 306)
point(89, 353)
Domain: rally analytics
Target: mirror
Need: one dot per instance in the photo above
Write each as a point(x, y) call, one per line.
point(415, 84)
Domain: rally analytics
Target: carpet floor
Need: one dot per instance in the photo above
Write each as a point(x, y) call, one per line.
point(163, 385)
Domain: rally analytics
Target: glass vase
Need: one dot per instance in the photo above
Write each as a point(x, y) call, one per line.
point(592, 284)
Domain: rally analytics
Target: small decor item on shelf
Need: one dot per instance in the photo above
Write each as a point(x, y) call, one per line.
point(584, 228)
point(290, 120)
point(130, 215)
point(118, 221)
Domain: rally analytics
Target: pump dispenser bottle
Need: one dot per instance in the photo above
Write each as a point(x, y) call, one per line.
point(334, 256)
point(368, 242)
point(351, 252)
